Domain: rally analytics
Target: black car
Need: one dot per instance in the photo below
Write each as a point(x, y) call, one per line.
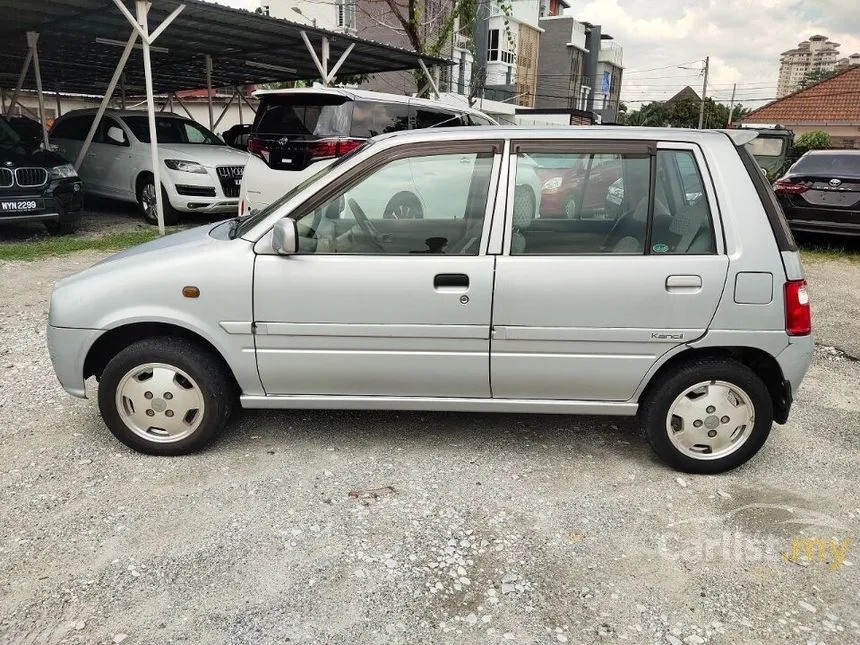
point(28, 130)
point(37, 185)
point(820, 193)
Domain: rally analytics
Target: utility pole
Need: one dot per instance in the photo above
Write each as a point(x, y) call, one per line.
point(732, 105)
point(704, 91)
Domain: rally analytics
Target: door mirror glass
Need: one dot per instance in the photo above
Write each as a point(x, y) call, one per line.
point(116, 135)
point(285, 236)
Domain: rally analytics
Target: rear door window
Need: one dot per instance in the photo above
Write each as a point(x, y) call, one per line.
point(309, 115)
point(370, 118)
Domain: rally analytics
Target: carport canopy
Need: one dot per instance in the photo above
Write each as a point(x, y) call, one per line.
point(80, 42)
point(72, 46)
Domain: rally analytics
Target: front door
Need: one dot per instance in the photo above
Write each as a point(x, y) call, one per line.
point(391, 291)
point(583, 308)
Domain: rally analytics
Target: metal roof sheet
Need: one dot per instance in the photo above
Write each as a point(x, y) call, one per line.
point(246, 48)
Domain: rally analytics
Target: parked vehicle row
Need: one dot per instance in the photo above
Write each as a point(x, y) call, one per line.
point(687, 307)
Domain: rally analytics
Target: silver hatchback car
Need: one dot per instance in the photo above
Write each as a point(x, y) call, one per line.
point(686, 304)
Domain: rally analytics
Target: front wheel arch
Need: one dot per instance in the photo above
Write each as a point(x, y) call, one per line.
point(113, 341)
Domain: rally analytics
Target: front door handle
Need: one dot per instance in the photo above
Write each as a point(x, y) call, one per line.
point(451, 282)
point(684, 283)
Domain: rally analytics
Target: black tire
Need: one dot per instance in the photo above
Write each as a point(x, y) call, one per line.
point(171, 215)
point(654, 411)
point(66, 225)
point(216, 386)
point(404, 205)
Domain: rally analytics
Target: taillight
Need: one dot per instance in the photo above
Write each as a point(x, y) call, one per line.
point(260, 148)
point(328, 148)
point(798, 318)
point(787, 187)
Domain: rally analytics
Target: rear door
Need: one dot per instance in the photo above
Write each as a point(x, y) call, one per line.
point(583, 308)
point(375, 305)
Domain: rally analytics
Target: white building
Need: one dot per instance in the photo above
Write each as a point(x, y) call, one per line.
point(334, 15)
point(817, 54)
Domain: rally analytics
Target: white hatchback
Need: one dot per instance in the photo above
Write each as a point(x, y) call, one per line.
point(199, 173)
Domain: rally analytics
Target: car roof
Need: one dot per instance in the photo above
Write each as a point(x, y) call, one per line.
point(120, 113)
point(597, 132)
point(368, 95)
point(822, 153)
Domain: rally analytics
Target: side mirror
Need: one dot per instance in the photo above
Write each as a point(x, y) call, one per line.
point(285, 236)
point(116, 135)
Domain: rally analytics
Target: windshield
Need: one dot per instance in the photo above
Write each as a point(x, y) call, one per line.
point(250, 221)
point(7, 134)
point(171, 130)
point(828, 164)
point(766, 146)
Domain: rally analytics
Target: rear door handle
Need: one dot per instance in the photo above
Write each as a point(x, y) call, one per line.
point(451, 282)
point(684, 283)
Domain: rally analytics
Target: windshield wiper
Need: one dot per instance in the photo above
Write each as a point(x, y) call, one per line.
point(234, 227)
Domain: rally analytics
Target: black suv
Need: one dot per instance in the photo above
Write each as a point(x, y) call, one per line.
point(37, 185)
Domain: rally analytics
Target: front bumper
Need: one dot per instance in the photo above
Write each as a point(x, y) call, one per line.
point(68, 349)
point(61, 198)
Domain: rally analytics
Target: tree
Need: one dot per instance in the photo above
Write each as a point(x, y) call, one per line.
point(815, 76)
point(429, 26)
point(814, 140)
point(684, 113)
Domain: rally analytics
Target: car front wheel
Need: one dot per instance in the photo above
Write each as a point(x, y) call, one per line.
point(147, 201)
point(708, 416)
point(165, 396)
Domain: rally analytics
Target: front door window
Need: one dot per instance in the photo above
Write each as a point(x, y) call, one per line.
point(428, 204)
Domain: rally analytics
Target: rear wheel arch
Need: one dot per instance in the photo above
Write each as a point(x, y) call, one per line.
point(763, 364)
point(115, 340)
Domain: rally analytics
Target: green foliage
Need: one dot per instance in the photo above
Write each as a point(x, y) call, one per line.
point(682, 114)
point(815, 140)
point(54, 246)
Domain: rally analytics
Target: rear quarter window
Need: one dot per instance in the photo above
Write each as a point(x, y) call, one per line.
point(370, 118)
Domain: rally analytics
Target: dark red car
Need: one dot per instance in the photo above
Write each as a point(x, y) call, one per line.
point(578, 190)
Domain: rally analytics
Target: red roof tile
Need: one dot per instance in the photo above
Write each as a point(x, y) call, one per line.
point(834, 99)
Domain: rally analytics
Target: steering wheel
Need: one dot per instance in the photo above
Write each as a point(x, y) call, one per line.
point(364, 224)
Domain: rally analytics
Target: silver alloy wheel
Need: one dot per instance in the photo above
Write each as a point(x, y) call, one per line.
point(570, 208)
point(149, 201)
point(710, 420)
point(159, 402)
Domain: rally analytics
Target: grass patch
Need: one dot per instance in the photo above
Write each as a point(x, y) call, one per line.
point(63, 245)
point(824, 253)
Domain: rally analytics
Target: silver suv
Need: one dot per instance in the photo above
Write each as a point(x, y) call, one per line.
point(686, 304)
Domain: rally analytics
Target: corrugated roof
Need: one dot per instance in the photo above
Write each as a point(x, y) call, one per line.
point(72, 61)
point(834, 99)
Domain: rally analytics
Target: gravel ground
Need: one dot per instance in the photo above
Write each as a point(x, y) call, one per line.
point(344, 527)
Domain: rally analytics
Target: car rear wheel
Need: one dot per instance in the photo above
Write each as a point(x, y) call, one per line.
point(165, 396)
point(147, 201)
point(570, 208)
point(708, 416)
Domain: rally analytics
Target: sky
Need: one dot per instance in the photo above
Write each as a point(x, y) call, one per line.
point(743, 38)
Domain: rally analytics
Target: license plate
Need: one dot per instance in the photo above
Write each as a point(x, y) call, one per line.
point(831, 198)
point(20, 205)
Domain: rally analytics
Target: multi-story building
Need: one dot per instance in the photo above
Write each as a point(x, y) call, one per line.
point(818, 54)
point(850, 61)
point(337, 15)
point(580, 68)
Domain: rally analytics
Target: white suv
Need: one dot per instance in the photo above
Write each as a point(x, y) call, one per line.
point(297, 131)
point(199, 173)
